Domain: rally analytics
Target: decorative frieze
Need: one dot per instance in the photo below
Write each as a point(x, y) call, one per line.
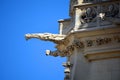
point(117, 38)
point(100, 41)
point(89, 43)
point(86, 43)
point(111, 10)
point(78, 44)
point(88, 14)
point(95, 15)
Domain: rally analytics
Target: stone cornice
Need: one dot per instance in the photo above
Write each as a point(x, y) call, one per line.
point(94, 31)
point(85, 5)
point(90, 39)
point(63, 20)
point(90, 32)
point(95, 4)
point(103, 54)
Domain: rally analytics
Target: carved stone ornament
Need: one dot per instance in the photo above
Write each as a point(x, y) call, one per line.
point(88, 14)
point(111, 10)
point(101, 41)
point(78, 44)
point(58, 53)
point(56, 38)
point(89, 43)
point(100, 12)
point(70, 48)
point(117, 38)
point(67, 64)
point(52, 53)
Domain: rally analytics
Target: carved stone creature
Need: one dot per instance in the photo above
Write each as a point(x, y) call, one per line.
point(88, 15)
point(53, 53)
point(46, 37)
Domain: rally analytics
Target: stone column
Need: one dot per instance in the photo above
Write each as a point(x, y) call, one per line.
point(61, 28)
point(77, 19)
point(74, 66)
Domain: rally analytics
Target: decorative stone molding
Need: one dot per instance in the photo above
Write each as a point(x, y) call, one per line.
point(78, 44)
point(86, 43)
point(56, 53)
point(103, 47)
point(117, 38)
point(89, 43)
point(95, 15)
point(111, 10)
point(103, 40)
point(103, 54)
point(88, 15)
point(67, 66)
point(52, 53)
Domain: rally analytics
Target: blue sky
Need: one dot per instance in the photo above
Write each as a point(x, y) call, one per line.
point(26, 60)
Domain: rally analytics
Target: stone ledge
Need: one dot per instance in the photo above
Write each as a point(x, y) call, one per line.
point(95, 4)
point(108, 54)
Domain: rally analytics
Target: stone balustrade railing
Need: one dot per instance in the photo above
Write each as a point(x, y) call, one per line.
point(96, 15)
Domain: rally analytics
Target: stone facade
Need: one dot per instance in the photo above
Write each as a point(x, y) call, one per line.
point(90, 40)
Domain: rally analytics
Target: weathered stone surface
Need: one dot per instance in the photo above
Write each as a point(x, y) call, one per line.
point(46, 37)
point(90, 40)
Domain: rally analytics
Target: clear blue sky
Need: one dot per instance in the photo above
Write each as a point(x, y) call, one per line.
point(26, 60)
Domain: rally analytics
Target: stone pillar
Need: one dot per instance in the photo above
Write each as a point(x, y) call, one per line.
point(77, 19)
point(74, 66)
point(61, 28)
